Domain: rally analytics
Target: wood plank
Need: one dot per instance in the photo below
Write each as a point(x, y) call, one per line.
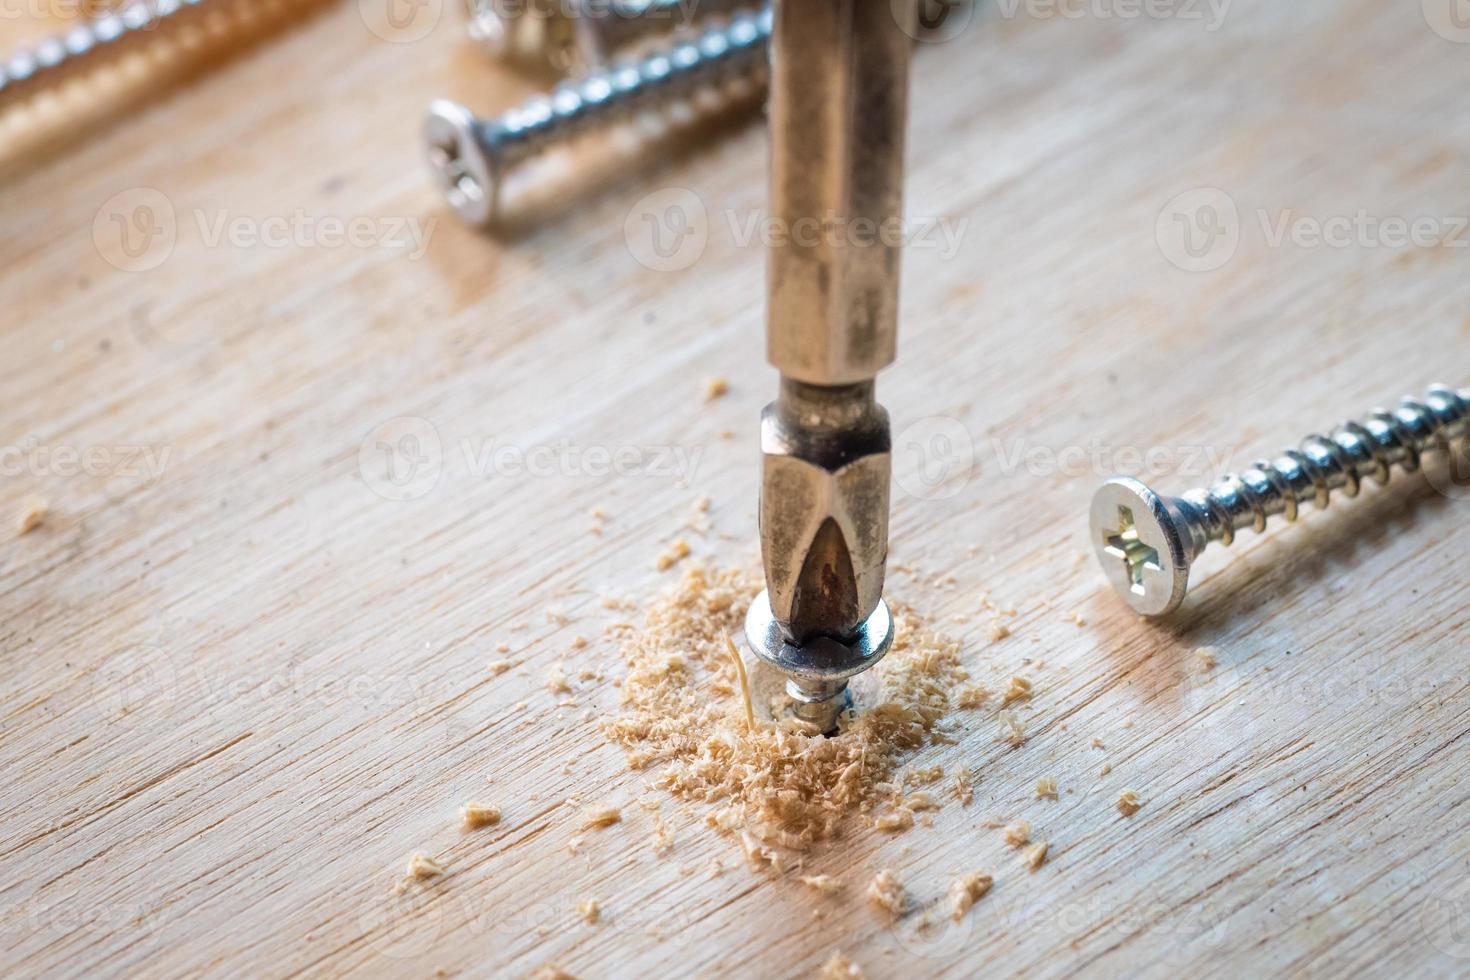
point(242, 684)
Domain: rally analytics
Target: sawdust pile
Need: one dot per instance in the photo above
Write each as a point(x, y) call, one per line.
point(682, 716)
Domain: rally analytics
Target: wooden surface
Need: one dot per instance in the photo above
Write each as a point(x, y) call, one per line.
point(241, 684)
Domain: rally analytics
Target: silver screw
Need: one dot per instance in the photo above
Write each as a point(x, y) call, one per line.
point(1147, 542)
point(55, 58)
point(470, 156)
point(579, 36)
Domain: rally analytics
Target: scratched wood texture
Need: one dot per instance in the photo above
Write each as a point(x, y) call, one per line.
point(300, 489)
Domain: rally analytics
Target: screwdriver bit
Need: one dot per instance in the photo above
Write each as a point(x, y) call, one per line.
point(838, 106)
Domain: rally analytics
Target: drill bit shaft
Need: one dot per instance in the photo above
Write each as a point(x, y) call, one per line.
point(839, 93)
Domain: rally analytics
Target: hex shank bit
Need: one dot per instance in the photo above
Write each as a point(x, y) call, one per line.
point(838, 106)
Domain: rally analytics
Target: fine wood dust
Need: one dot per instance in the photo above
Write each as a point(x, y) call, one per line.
point(683, 715)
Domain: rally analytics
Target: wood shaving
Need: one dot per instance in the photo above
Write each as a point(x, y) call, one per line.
point(476, 815)
point(1035, 855)
point(715, 388)
point(921, 801)
point(1106, 768)
point(1017, 834)
point(1207, 657)
point(422, 866)
point(964, 782)
point(1046, 788)
point(1097, 743)
point(602, 816)
point(998, 631)
point(1129, 802)
point(966, 891)
point(973, 696)
point(578, 642)
point(671, 556)
point(895, 820)
point(758, 855)
point(550, 971)
point(1017, 690)
point(826, 884)
point(885, 892)
point(31, 517)
point(839, 967)
point(1011, 728)
point(556, 680)
point(744, 684)
point(780, 775)
point(589, 910)
point(498, 667)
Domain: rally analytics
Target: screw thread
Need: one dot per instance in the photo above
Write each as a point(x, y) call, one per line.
point(53, 57)
point(1354, 451)
point(735, 51)
point(620, 24)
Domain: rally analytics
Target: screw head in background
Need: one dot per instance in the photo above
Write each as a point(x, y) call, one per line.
point(1140, 545)
point(464, 172)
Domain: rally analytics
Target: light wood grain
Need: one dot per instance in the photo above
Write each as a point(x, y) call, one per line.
point(239, 694)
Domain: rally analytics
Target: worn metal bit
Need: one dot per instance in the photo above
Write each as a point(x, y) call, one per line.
point(579, 36)
point(469, 156)
point(838, 106)
point(55, 59)
point(1147, 542)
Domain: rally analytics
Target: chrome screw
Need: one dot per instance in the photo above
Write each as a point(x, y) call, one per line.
point(579, 36)
point(469, 156)
point(1146, 542)
point(55, 58)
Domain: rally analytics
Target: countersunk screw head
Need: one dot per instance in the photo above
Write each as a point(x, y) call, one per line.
point(468, 176)
point(1140, 542)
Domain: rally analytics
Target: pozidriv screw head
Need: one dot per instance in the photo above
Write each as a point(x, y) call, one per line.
point(1138, 542)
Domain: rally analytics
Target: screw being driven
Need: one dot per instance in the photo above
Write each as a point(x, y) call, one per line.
point(470, 156)
point(838, 113)
point(1146, 542)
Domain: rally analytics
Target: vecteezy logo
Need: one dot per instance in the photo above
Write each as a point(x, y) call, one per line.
point(402, 924)
point(401, 459)
point(1449, 472)
point(132, 680)
point(400, 21)
point(933, 21)
point(1445, 919)
point(135, 230)
point(1450, 19)
point(668, 230)
point(1199, 230)
point(934, 457)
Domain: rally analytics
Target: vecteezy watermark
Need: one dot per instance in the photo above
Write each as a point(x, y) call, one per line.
point(934, 458)
point(71, 917)
point(138, 229)
point(400, 21)
point(32, 457)
point(1210, 14)
point(1449, 471)
point(933, 21)
point(670, 229)
point(135, 230)
point(403, 459)
point(1200, 230)
point(1450, 19)
point(1444, 918)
